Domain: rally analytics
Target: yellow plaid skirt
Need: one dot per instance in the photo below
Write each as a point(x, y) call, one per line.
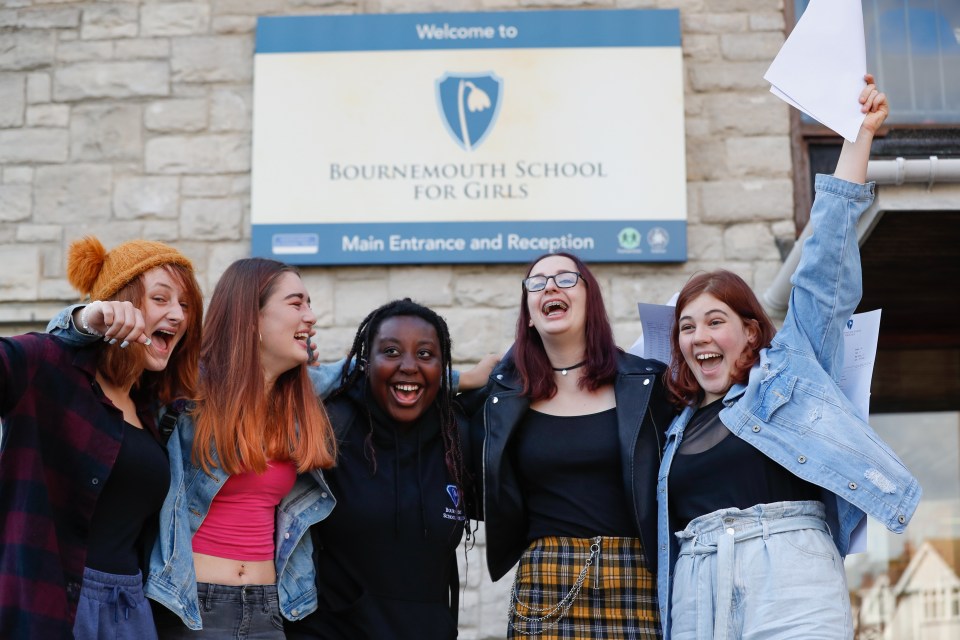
point(557, 595)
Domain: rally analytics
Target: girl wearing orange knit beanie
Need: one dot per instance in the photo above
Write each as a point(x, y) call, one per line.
point(83, 472)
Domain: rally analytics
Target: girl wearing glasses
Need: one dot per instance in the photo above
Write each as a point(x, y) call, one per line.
point(573, 428)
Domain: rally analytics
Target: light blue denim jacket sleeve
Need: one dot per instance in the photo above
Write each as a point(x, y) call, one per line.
point(62, 326)
point(172, 580)
point(791, 408)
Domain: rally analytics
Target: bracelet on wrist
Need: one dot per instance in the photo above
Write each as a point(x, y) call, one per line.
point(84, 326)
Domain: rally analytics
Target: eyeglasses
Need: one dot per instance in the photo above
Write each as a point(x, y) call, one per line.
point(563, 280)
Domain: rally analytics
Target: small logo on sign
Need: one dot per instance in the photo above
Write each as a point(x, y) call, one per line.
point(469, 105)
point(629, 238)
point(658, 239)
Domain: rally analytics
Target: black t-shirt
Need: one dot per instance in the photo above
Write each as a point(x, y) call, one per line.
point(570, 471)
point(133, 493)
point(714, 469)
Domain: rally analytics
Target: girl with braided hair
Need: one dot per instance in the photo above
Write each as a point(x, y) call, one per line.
point(386, 556)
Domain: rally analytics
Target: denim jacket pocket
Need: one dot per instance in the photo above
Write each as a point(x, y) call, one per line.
point(791, 402)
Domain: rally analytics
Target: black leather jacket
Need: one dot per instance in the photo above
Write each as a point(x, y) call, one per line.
point(643, 415)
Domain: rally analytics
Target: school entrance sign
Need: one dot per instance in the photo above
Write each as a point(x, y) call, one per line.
point(469, 137)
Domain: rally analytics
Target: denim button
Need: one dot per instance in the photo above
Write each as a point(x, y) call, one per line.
point(901, 519)
point(646, 381)
point(756, 428)
point(286, 536)
point(323, 495)
point(496, 400)
point(499, 376)
point(95, 481)
point(802, 459)
point(852, 485)
point(295, 612)
point(730, 531)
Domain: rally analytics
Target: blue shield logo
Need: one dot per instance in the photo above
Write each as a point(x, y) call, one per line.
point(469, 105)
point(454, 494)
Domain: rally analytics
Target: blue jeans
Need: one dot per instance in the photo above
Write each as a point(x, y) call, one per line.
point(250, 612)
point(771, 571)
point(112, 606)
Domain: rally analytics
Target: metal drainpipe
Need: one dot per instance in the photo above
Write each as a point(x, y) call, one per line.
point(895, 172)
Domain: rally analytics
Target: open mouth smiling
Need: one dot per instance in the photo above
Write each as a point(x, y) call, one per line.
point(406, 393)
point(554, 307)
point(161, 339)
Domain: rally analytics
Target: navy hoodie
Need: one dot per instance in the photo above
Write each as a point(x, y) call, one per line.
point(386, 556)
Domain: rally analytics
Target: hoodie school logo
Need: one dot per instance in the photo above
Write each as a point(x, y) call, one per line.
point(469, 104)
point(454, 512)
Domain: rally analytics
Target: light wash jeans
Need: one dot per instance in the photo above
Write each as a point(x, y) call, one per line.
point(771, 571)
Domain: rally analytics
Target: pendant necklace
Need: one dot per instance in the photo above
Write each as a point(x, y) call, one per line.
point(563, 370)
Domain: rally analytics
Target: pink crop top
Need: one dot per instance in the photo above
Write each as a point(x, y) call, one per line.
point(241, 521)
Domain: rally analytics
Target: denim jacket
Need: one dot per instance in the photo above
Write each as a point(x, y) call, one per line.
point(791, 407)
point(172, 580)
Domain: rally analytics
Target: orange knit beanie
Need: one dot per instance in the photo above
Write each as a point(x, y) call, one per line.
point(95, 272)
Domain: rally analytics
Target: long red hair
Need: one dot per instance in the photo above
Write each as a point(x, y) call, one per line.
point(234, 415)
point(533, 366)
point(730, 289)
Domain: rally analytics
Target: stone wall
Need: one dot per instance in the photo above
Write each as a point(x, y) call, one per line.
point(133, 119)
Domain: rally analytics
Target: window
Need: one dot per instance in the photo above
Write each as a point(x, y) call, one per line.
point(913, 47)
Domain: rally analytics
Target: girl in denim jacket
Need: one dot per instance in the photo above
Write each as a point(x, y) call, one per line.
point(768, 469)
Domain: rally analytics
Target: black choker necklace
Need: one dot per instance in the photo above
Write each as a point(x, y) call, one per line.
point(563, 370)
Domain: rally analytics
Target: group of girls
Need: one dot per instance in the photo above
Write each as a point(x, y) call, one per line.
point(714, 498)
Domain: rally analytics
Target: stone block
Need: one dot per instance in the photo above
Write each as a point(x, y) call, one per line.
point(33, 145)
point(211, 219)
point(750, 242)
point(30, 49)
point(56, 289)
point(249, 7)
point(38, 88)
point(706, 159)
point(759, 156)
point(161, 230)
point(230, 110)
point(475, 331)
point(701, 46)
point(106, 132)
point(48, 115)
point(320, 286)
point(727, 76)
point(14, 202)
point(746, 200)
point(713, 22)
point(18, 175)
point(704, 242)
point(762, 45)
point(141, 48)
point(749, 113)
point(430, 286)
point(8, 18)
point(109, 21)
point(206, 187)
point(12, 99)
point(354, 299)
point(175, 19)
point(72, 194)
point(22, 273)
point(34, 233)
point(767, 21)
point(212, 59)
point(234, 24)
point(145, 197)
point(49, 18)
point(500, 288)
point(86, 80)
point(198, 155)
point(184, 115)
point(84, 51)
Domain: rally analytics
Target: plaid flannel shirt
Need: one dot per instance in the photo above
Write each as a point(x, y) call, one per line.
point(60, 439)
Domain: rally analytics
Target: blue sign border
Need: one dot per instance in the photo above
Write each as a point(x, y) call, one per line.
point(470, 242)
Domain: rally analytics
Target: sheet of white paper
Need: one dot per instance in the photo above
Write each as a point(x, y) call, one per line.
point(657, 323)
point(820, 67)
point(859, 355)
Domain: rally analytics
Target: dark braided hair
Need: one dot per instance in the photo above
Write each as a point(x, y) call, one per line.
point(360, 355)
